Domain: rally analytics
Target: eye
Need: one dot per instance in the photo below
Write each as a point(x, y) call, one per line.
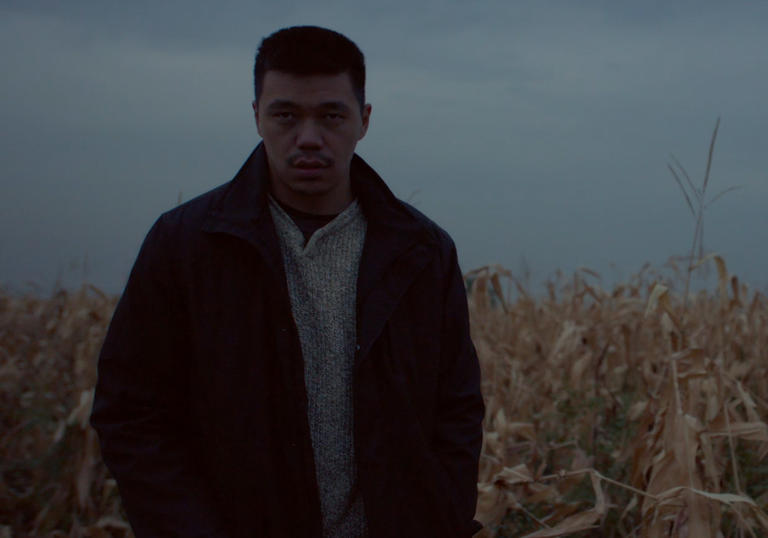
point(333, 116)
point(283, 115)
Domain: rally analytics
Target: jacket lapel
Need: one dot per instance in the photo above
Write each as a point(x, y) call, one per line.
point(242, 212)
point(385, 276)
point(397, 245)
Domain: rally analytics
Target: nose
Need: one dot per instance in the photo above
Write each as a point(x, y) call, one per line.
point(309, 135)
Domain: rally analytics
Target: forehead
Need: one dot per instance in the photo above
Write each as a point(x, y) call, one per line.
point(306, 89)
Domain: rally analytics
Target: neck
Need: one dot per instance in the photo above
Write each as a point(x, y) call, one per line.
point(330, 202)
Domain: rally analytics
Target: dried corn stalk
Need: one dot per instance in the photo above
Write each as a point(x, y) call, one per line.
point(663, 410)
point(609, 413)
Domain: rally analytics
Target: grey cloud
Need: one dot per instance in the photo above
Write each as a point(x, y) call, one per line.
point(528, 129)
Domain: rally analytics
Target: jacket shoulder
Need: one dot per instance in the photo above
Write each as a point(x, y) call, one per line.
point(433, 230)
point(174, 233)
point(192, 213)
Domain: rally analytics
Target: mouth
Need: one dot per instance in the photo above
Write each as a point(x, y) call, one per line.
point(309, 169)
point(310, 162)
point(305, 164)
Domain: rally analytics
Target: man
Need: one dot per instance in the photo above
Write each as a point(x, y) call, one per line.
point(291, 355)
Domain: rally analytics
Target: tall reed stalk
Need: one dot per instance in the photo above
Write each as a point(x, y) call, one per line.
point(689, 191)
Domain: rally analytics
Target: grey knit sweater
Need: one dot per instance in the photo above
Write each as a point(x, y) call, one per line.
point(322, 280)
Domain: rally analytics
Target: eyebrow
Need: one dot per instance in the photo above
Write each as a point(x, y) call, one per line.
point(279, 104)
point(334, 105)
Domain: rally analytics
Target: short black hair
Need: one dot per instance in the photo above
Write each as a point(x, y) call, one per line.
point(310, 50)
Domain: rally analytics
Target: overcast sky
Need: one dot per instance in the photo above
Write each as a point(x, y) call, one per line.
point(536, 130)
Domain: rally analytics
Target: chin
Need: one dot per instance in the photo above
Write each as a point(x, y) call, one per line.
point(311, 187)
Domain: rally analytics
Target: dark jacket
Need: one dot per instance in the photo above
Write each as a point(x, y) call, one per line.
point(200, 403)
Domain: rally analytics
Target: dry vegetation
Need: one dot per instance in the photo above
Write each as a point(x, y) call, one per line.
point(609, 413)
point(623, 413)
point(52, 482)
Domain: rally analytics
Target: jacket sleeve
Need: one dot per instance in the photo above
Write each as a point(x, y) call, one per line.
point(460, 409)
point(140, 405)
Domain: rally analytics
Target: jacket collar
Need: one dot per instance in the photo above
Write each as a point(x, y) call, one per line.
point(246, 197)
point(245, 201)
point(398, 244)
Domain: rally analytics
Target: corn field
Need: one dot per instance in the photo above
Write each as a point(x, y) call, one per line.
point(625, 412)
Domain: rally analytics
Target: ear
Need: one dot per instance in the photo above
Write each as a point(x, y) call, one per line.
point(366, 117)
point(255, 106)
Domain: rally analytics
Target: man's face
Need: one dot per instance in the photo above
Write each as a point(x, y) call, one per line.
point(310, 126)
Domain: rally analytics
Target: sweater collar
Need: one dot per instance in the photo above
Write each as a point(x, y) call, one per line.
point(397, 243)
